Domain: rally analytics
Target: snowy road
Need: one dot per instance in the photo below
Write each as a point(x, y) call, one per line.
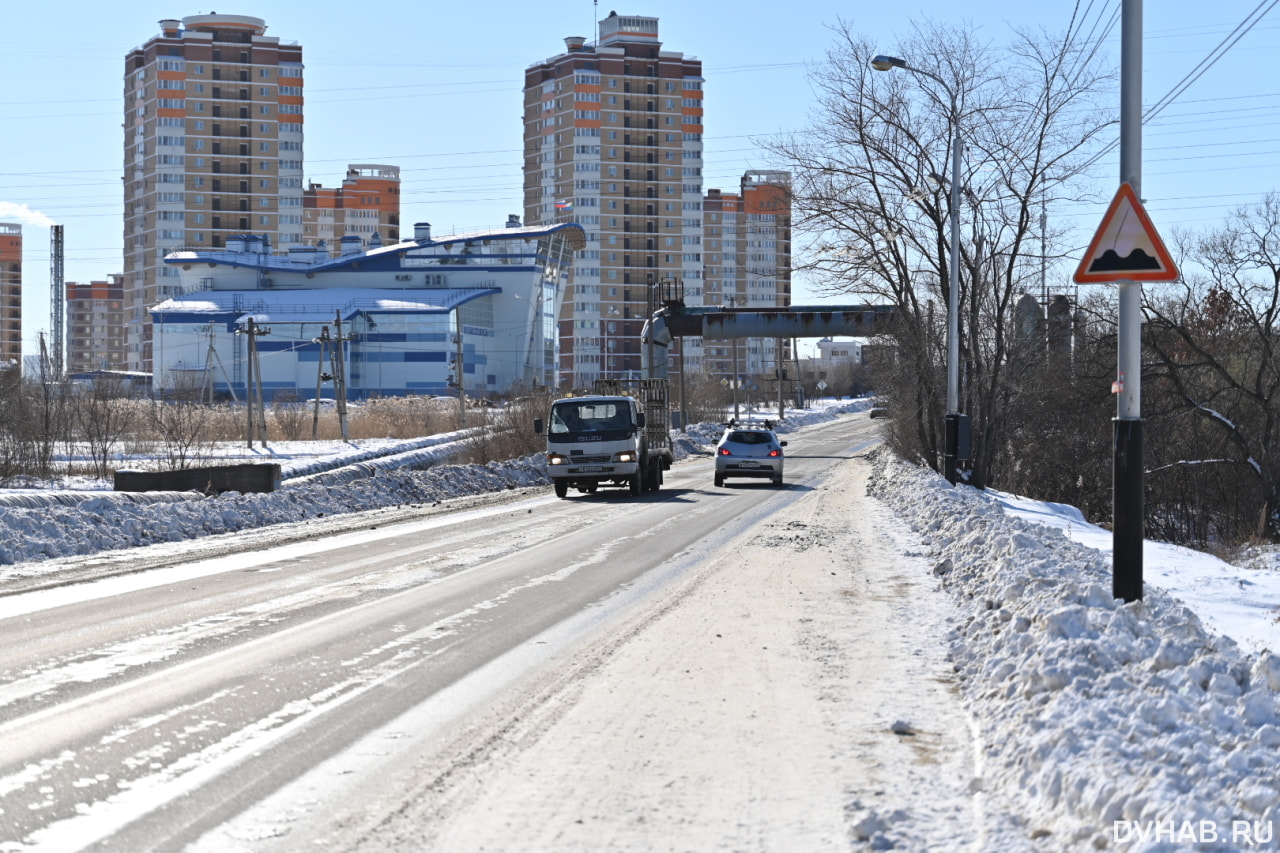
point(363, 687)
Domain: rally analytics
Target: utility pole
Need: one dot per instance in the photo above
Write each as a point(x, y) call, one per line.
point(211, 358)
point(1127, 473)
point(459, 372)
point(733, 302)
point(340, 375)
point(782, 375)
point(321, 377)
point(257, 427)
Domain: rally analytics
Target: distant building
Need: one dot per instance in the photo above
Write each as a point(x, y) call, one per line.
point(837, 361)
point(746, 251)
point(10, 296)
point(212, 147)
point(365, 206)
point(409, 313)
point(613, 141)
point(95, 326)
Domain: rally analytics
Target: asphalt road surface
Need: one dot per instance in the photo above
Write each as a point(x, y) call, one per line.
point(350, 690)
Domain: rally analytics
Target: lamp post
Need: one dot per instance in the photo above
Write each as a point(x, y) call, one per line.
point(953, 420)
point(613, 312)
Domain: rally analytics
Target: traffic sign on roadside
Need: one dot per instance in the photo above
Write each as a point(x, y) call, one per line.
point(1126, 246)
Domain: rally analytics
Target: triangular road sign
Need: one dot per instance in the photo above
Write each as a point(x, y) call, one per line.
point(1126, 246)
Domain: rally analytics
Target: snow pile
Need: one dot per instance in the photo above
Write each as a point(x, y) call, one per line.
point(1105, 724)
point(406, 453)
point(110, 521)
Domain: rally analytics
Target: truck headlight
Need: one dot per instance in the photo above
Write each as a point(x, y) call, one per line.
point(625, 456)
point(557, 459)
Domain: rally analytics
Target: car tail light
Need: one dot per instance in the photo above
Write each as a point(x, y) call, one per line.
point(775, 452)
point(724, 451)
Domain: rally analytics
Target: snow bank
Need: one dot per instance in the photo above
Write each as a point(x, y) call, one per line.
point(111, 521)
point(1106, 725)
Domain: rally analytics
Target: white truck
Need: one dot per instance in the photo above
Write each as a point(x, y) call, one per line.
point(613, 437)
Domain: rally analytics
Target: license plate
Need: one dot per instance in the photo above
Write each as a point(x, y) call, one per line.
point(588, 469)
point(748, 464)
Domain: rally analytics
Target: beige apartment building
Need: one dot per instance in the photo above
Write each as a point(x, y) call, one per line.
point(747, 252)
point(364, 209)
point(613, 141)
point(95, 325)
point(213, 135)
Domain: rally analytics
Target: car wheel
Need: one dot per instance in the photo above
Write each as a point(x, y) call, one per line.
point(777, 479)
point(562, 488)
point(719, 480)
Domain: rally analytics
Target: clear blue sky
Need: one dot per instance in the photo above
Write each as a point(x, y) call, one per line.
point(435, 89)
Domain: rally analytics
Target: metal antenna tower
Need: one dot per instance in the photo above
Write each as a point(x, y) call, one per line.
point(57, 297)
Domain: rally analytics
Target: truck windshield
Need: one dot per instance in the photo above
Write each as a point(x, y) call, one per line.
point(577, 417)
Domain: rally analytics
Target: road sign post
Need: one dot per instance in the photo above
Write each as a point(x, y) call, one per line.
point(1126, 251)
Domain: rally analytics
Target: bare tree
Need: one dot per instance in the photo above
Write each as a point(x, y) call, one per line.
point(1215, 388)
point(104, 414)
point(180, 421)
point(872, 198)
point(290, 415)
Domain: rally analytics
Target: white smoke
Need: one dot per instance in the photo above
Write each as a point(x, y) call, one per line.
point(10, 211)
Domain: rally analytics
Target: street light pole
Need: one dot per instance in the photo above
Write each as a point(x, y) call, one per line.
point(613, 312)
point(953, 420)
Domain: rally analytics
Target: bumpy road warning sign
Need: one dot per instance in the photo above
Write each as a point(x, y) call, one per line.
point(1126, 246)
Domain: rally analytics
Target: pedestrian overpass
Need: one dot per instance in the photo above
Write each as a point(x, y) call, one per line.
point(675, 320)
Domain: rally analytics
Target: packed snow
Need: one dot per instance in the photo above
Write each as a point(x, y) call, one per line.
point(1107, 725)
point(1149, 726)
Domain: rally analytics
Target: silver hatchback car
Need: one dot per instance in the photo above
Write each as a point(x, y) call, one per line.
point(749, 451)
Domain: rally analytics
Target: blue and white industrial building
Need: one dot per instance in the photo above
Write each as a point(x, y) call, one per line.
point(407, 312)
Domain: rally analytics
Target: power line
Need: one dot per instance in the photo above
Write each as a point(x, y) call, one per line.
point(1219, 51)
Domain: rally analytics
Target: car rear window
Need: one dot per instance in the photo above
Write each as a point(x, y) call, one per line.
point(742, 437)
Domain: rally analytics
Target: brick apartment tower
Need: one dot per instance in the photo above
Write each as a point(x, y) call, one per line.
point(10, 296)
point(212, 148)
point(95, 325)
point(747, 250)
point(613, 141)
point(367, 206)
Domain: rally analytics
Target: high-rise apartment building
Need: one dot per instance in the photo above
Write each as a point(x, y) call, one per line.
point(10, 296)
point(747, 253)
point(366, 205)
point(212, 148)
point(613, 141)
point(95, 325)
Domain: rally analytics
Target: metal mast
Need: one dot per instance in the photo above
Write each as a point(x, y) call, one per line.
point(57, 297)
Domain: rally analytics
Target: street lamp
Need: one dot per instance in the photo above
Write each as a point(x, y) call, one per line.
point(953, 419)
point(613, 312)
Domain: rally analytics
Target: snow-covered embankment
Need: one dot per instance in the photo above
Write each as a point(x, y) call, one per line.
point(1102, 722)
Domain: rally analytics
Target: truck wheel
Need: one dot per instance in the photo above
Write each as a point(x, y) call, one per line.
point(636, 484)
point(562, 488)
point(653, 476)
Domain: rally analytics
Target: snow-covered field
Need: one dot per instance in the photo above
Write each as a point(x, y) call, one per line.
point(1150, 726)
